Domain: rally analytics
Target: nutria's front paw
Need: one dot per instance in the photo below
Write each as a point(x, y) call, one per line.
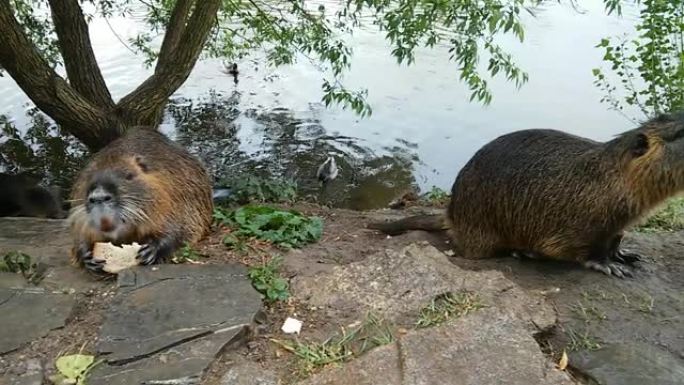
point(610, 268)
point(85, 256)
point(149, 253)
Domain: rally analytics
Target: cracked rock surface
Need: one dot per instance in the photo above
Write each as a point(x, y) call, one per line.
point(491, 345)
point(168, 322)
point(488, 347)
point(30, 312)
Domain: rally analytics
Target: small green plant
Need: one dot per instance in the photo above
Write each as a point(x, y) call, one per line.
point(18, 262)
point(266, 280)
point(588, 311)
point(186, 254)
point(250, 189)
point(446, 306)
point(73, 369)
point(436, 195)
point(372, 332)
point(641, 302)
point(669, 218)
point(235, 243)
point(285, 228)
point(582, 341)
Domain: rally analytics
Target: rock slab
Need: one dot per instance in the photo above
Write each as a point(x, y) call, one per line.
point(29, 313)
point(46, 241)
point(29, 372)
point(630, 363)
point(168, 322)
point(491, 345)
point(397, 284)
point(249, 373)
point(487, 347)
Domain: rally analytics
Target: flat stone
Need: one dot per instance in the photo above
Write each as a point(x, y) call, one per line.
point(632, 363)
point(397, 284)
point(30, 372)
point(47, 241)
point(168, 322)
point(249, 373)
point(29, 314)
point(485, 347)
point(33, 233)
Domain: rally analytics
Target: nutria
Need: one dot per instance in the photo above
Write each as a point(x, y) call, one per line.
point(22, 196)
point(543, 193)
point(142, 188)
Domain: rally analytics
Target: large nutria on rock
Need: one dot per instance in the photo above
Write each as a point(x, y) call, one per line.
point(543, 193)
point(141, 188)
point(22, 196)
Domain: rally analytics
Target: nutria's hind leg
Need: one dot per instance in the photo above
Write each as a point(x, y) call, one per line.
point(623, 256)
point(158, 250)
point(609, 259)
point(609, 268)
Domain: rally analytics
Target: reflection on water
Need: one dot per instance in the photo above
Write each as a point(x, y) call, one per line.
point(422, 130)
point(269, 143)
point(41, 149)
point(280, 143)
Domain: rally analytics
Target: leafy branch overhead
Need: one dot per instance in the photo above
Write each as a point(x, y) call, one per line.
point(290, 31)
point(38, 36)
point(646, 71)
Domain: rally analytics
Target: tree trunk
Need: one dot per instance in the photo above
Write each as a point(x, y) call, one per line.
point(84, 107)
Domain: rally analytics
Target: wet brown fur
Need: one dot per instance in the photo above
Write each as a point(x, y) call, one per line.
point(554, 195)
point(178, 190)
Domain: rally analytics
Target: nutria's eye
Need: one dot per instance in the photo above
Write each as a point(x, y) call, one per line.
point(130, 176)
point(640, 145)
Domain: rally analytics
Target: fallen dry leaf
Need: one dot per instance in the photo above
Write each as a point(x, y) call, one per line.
point(563, 363)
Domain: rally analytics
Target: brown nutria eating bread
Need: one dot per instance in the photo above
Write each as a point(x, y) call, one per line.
point(544, 193)
point(142, 188)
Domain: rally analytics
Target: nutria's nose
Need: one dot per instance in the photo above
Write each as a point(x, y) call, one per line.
point(106, 225)
point(100, 198)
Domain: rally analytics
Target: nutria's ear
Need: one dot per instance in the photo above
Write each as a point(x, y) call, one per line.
point(640, 145)
point(141, 163)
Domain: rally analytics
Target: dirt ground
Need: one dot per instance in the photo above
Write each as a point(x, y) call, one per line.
point(592, 307)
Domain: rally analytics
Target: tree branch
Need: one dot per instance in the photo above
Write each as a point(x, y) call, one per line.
point(170, 74)
point(174, 31)
point(74, 43)
point(20, 58)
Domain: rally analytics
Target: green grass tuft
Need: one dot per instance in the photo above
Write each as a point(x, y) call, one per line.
point(669, 218)
point(447, 306)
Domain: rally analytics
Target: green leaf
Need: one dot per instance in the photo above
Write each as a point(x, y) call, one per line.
point(74, 366)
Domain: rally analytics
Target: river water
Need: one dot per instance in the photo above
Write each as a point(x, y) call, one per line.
point(422, 131)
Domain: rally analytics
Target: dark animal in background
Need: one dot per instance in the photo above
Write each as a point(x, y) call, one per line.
point(22, 196)
point(544, 193)
point(141, 188)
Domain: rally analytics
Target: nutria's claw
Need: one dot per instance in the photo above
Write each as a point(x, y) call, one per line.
point(609, 268)
point(94, 265)
point(85, 254)
point(148, 253)
point(626, 257)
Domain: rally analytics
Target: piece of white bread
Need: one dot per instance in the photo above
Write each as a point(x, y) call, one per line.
point(116, 258)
